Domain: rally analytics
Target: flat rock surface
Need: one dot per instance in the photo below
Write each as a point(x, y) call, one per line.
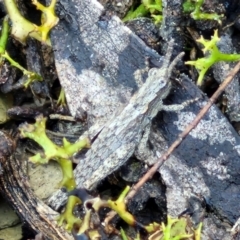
point(10, 217)
point(13, 233)
point(44, 179)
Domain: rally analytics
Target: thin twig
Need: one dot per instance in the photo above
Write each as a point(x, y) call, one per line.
point(62, 117)
point(181, 136)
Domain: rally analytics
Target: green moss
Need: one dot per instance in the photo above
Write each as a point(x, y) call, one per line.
point(194, 6)
point(213, 55)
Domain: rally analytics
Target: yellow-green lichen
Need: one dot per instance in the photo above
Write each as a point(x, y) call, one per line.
point(152, 7)
point(120, 207)
point(37, 133)
point(67, 218)
point(213, 55)
point(61, 154)
point(22, 28)
point(30, 76)
point(175, 229)
point(194, 6)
